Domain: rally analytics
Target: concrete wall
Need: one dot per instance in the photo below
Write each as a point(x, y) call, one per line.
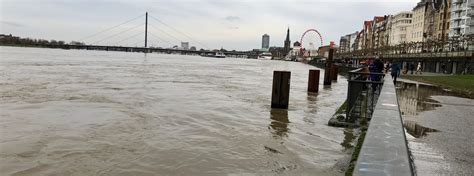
point(385, 150)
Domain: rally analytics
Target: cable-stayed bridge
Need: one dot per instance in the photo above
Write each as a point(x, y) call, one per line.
point(142, 34)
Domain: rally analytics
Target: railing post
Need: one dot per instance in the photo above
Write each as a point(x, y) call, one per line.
point(281, 89)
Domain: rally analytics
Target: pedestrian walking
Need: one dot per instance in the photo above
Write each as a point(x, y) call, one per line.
point(443, 68)
point(395, 72)
point(387, 66)
point(418, 68)
point(412, 68)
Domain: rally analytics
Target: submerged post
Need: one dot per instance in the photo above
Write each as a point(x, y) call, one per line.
point(313, 81)
point(281, 89)
point(327, 70)
point(146, 28)
point(334, 72)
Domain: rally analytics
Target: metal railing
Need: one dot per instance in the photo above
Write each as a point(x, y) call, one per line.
point(362, 93)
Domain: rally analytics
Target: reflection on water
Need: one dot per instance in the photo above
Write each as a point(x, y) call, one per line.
point(416, 130)
point(279, 124)
point(426, 109)
point(414, 98)
point(348, 138)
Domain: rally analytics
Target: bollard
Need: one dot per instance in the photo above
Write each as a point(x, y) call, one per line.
point(327, 70)
point(334, 72)
point(281, 89)
point(313, 81)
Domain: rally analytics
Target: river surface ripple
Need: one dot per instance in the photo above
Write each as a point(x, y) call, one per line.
point(73, 112)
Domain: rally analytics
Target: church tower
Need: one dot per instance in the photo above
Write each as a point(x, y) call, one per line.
point(287, 41)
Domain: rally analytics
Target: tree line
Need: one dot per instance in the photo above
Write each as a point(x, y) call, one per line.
point(10, 40)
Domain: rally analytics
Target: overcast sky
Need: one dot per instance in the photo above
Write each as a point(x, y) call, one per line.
point(231, 24)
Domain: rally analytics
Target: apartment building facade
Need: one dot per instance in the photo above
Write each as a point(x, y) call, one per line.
point(401, 28)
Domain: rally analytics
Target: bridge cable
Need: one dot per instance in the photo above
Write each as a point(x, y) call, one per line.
point(177, 39)
point(87, 37)
point(177, 31)
point(153, 35)
point(117, 33)
point(140, 33)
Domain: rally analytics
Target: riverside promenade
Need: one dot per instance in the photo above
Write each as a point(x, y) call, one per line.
point(385, 151)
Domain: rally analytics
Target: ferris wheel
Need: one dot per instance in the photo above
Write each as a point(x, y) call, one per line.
point(311, 30)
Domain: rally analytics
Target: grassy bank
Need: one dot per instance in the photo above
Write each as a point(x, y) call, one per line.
point(463, 84)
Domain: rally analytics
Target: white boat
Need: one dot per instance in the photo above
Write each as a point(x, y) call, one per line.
point(265, 56)
point(217, 54)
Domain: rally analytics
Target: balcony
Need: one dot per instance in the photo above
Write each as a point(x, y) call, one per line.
point(470, 32)
point(455, 26)
point(456, 8)
point(457, 1)
point(456, 17)
point(470, 23)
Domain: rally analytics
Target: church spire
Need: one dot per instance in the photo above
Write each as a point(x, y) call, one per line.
point(287, 40)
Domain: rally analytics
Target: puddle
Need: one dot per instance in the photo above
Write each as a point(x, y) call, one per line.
point(417, 130)
point(414, 98)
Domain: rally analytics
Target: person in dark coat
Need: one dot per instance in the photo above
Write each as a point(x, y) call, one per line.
point(379, 65)
point(412, 68)
point(395, 72)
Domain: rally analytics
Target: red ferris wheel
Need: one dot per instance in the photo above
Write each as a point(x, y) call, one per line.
point(311, 30)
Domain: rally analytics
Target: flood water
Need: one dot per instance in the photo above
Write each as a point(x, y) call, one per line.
point(72, 112)
point(440, 129)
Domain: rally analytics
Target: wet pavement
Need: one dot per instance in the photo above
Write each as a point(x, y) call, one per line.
point(439, 125)
point(72, 112)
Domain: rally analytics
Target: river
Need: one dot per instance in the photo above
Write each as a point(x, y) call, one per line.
point(76, 112)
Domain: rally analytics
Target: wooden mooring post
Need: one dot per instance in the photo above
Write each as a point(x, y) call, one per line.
point(334, 71)
point(327, 70)
point(281, 89)
point(313, 81)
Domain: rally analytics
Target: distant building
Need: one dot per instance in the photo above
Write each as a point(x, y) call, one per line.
point(442, 20)
point(193, 48)
point(380, 30)
point(323, 51)
point(344, 43)
point(401, 24)
point(265, 41)
point(418, 22)
point(430, 27)
point(470, 22)
point(277, 52)
point(461, 21)
point(296, 49)
point(367, 35)
point(347, 42)
point(185, 45)
point(287, 44)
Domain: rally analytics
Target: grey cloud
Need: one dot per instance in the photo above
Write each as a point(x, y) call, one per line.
point(14, 24)
point(232, 18)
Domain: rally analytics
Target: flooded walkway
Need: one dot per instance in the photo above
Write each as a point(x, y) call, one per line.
point(114, 113)
point(440, 129)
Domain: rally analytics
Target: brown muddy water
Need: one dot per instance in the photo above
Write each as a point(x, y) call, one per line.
point(72, 112)
point(440, 129)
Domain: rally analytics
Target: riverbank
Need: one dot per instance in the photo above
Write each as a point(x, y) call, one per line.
point(463, 84)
